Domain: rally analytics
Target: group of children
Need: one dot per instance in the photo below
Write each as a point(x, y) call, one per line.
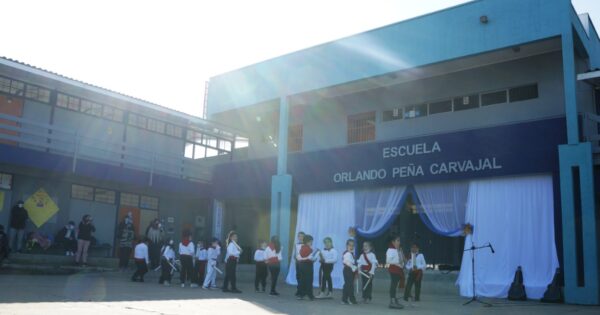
point(362, 268)
point(198, 266)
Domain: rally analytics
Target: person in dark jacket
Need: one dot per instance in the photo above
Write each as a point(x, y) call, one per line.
point(18, 220)
point(84, 238)
point(126, 235)
point(3, 244)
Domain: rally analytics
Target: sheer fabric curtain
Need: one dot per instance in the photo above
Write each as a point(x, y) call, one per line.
point(376, 209)
point(516, 215)
point(321, 215)
point(444, 206)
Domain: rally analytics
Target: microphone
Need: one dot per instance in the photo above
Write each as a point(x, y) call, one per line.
point(492, 248)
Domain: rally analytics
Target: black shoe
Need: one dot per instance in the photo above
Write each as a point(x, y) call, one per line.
point(134, 280)
point(142, 280)
point(417, 299)
point(236, 291)
point(225, 290)
point(405, 299)
point(312, 298)
point(273, 293)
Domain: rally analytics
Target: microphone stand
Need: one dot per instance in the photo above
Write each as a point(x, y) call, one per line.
point(472, 249)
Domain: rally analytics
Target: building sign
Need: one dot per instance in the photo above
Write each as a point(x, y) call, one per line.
point(516, 149)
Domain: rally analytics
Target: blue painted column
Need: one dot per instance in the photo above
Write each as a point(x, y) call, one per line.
point(576, 156)
point(281, 187)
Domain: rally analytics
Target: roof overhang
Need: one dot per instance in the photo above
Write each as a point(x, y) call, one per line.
point(592, 77)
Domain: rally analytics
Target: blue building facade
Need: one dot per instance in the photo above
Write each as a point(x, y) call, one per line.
point(483, 90)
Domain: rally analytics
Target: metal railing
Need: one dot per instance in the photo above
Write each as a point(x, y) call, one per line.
point(71, 143)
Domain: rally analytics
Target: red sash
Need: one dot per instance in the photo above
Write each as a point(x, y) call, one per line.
point(368, 266)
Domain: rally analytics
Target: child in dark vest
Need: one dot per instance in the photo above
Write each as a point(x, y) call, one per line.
point(349, 272)
point(306, 257)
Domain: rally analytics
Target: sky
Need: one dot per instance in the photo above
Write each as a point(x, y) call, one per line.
point(165, 51)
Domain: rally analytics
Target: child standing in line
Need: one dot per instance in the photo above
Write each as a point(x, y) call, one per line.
point(416, 266)
point(231, 259)
point(329, 257)
point(212, 254)
point(201, 259)
point(261, 267)
point(142, 260)
point(167, 261)
point(186, 257)
point(273, 255)
point(349, 273)
point(299, 243)
point(367, 262)
point(394, 259)
point(306, 258)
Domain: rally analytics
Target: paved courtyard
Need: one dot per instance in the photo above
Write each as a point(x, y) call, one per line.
point(112, 293)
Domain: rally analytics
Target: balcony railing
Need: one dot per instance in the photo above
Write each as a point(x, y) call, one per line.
point(71, 143)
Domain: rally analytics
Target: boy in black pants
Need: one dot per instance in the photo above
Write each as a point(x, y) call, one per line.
point(349, 273)
point(416, 266)
point(261, 267)
point(306, 257)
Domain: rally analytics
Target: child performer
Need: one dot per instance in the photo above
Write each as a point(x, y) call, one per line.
point(141, 260)
point(210, 281)
point(273, 255)
point(167, 261)
point(201, 259)
point(367, 262)
point(394, 259)
point(306, 257)
point(299, 243)
point(186, 256)
point(231, 259)
point(260, 258)
point(328, 258)
point(3, 244)
point(415, 266)
point(349, 273)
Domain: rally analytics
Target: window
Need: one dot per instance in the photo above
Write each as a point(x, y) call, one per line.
point(199, 151)
point(392, 114)
point(105, 196)
point(148, 202)
point(241, 142)
point(492, 98)
point(138, 121)
point(361, 127)
point(189, 150)
point(415, 111)
point(174, 131)
point(440, 107)
point(225, 145)
point(73, 103)
point(37, 93)
point(5, 85)
point(90, 108)
point(5, 181)
point(466, 102)
point(112, 113)
point(62, 100)
point(156, 125)
point(523, 93)
point(82, 192)
point(295, 138)
point(17, 88)
point(131, 200)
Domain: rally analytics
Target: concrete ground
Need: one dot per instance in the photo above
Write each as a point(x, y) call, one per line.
point(112, 293)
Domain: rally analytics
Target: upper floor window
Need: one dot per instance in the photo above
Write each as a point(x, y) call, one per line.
point(523, 93)
point(361, 127)
point(295, 138)
point(5, 181)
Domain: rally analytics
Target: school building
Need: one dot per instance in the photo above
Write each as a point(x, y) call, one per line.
point(483, 114)
point(68, 148)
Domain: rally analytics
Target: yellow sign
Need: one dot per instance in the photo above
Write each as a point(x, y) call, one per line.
point(1, 201)
point(40, 207)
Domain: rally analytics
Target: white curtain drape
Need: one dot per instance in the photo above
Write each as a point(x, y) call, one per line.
point(321, 215)
point(444, 206)
point(376, 209)
point(516, 215)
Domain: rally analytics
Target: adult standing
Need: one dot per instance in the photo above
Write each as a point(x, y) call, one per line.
point(18, 220)
point(84, 238)
point(126, 234)
point(154, 233)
